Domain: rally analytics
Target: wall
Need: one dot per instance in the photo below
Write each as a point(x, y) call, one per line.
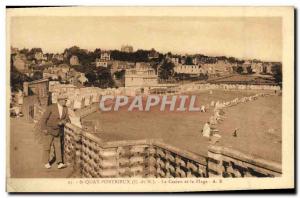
point(227, 162)
point(33, 107)
point(91, 157)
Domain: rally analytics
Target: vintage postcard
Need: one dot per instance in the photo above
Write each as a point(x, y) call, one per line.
point(150, 99)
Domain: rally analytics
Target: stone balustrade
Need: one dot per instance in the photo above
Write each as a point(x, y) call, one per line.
point(91, 157)
point(226, 162)
point(87, 110)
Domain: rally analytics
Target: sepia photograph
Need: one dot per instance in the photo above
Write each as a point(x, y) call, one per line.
point(150, 99)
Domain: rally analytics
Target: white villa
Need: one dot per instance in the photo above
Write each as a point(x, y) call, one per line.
point(104, 59)
point(143, 80)
point(105, 55)
point(141, 77)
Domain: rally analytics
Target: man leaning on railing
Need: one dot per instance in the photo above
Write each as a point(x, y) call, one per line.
point(52, 125)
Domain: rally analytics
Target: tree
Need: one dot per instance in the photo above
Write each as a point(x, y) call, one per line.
point(16, 78)
point(249, 70)
point(166, 70)
point(232, 60)
point(141, 56)
point(85, 57)
point(277, 73)
point(49, 56)
point(97, 53)
point(24, 51)
point(55, 61)
point(35, 50)
point(189, 61)
point(120, 74)
point(137, 56)
point(278, 77)
point(104, 79)
point(91, 76)
point(30, 54)
point(239, 69)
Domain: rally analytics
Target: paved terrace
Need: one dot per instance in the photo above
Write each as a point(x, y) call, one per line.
point(26, 153)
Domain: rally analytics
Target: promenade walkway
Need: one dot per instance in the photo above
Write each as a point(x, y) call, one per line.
point(26, 154)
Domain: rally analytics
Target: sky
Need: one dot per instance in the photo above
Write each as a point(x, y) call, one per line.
point(241, 37)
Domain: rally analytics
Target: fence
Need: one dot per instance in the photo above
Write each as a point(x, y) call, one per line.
point(91, 157)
